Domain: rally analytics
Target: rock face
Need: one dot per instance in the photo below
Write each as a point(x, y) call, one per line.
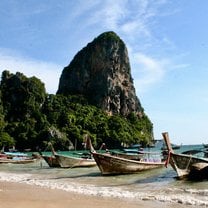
point(101, 73)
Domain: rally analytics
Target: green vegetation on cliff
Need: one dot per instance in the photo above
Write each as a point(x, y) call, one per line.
point(30, 118)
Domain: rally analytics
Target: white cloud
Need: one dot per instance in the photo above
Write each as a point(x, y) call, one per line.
point(127, 17)
point(130, 19)
point(135, 27)
point(148, 71)
point(107, 14)
point(49, 73)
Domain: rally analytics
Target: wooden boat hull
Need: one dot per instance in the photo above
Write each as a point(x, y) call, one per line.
point(112, 165)
point(200, 170)
point(205, 145)
point(182, 163)
point(17, 158)
point(51, 161)
point(72, 162)
point(22, 161)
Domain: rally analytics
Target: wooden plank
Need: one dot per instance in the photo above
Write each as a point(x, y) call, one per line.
point(167, 141)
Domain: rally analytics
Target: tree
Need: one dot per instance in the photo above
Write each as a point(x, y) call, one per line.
point(30, 118)
point(22, 99)
point(6, 141)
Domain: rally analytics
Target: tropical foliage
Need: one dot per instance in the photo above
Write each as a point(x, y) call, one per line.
point(30, 118)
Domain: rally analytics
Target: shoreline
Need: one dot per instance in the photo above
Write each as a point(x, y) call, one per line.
point(19, 195)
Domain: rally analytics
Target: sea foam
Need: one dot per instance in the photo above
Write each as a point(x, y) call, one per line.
point(187, 197)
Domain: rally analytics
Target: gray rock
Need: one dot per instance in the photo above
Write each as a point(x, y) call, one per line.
point(101, 73)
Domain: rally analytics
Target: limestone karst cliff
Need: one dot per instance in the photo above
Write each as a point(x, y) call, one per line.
point(101, 72)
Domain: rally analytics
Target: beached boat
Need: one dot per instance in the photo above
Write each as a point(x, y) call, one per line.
point(114, 165)
point(206, 153)
point(66, 161)
point(185, 165)
point(17, 158)
point(205, 145)
point(51, 160)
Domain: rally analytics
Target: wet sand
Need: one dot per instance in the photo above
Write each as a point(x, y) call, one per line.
point(23, 196)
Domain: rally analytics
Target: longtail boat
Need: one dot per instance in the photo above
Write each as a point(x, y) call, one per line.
point(205, 145)
point(17, 158)
point(51, 160)
point(185, 165)
point(114, 165)
point(66, 161)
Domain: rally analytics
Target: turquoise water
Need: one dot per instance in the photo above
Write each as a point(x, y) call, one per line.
point(159, 185)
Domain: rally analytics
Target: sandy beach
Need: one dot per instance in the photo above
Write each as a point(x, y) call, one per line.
point(23, 196)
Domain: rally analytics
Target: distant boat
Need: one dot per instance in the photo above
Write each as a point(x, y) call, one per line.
point(174, 146)
point(186, 165)
point(133, 149)
point(151, 145)
point(196, 151)
point(135, 146)
point(128, 155)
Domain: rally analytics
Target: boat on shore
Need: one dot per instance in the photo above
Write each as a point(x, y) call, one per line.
point(116, 164)
point(51, 160)
point(185, 165)
point(66, 161)
point(205, 145)
point(17, 158)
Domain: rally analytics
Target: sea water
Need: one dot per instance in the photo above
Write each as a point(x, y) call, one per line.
point(155, 185)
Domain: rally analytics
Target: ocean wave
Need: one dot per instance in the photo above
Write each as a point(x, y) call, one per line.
point(201, 192)
point(187, 196)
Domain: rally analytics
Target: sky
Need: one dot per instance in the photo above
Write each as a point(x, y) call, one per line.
point(167, 42)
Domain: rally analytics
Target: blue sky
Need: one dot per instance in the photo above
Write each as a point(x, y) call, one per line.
point(167, 41)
